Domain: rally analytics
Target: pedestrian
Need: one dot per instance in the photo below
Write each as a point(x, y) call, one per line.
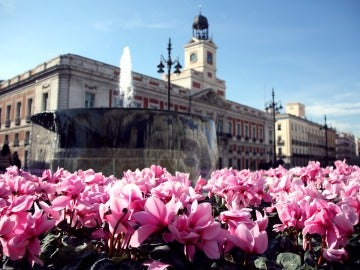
point(16, 160)
point(5, 158)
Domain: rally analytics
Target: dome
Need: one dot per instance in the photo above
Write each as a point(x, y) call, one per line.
point(200, 23)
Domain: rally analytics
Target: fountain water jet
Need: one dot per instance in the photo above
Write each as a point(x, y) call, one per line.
point(126, 88)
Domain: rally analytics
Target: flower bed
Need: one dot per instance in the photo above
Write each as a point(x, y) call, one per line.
point(301, 218)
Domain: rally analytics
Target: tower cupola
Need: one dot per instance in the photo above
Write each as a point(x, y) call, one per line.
point(200, 27)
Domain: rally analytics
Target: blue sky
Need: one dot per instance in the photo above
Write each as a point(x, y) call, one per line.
point(308, 51)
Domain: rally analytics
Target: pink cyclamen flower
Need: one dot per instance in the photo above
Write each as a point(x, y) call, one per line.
point(116, 213)
point(24, 239)
point(331, 223)
point(155, 217)
point(249, 235)
point(197, 230)
point(291, 215)
point(251, 240)
point(235, 216)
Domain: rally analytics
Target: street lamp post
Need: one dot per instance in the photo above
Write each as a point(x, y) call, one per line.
point(169, 63)
point(326, 127)
point(273, 107)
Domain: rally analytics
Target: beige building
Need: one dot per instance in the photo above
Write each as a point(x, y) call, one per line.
point(72, 81)
point(299, 140)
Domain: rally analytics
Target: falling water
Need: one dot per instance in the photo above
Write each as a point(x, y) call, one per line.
point(126, 88)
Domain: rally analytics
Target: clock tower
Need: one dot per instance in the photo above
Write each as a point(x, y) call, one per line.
point(200, 61)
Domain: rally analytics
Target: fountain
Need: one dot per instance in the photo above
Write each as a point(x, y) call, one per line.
point(113, 140)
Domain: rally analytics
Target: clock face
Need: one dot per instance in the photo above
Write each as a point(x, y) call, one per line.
point(193, 57)
point(209, 58)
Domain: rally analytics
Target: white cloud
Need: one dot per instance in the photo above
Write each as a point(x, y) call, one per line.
point(337, 109)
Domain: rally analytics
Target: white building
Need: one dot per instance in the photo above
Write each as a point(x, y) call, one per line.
point(299, 140)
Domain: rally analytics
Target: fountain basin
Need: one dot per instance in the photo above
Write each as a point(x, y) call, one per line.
point(113, 140)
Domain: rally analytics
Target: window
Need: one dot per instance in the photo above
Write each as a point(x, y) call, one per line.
point(254, 132)
point(279, 127)
point(27, 138)
point(89, 100)
point(230, 128)
point(238, 129)
point(16, 139)
point(18, 113)
point(6, 139)
point(209, 58)
point(230, 162)
point(28, 110)
point(246, 131)
point(261, 134)
point(44, 105)
point(8, 112)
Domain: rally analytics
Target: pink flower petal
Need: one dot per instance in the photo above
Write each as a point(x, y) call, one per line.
point(245, 239)
point(59, 203)
point(141, 234)
point(156, 207)
point(211, 249)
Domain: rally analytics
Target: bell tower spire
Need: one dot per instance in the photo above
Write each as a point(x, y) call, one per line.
point(199, 70)
point(200, 27)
